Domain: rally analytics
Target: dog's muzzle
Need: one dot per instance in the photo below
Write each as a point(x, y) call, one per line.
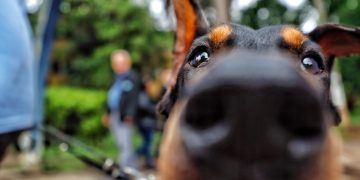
point(250, 116)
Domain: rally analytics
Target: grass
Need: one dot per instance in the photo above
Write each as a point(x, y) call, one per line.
point(56, 160)
point(355, 116)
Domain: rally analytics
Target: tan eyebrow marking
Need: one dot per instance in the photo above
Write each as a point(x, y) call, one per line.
point(293, 37)
point(220, 34)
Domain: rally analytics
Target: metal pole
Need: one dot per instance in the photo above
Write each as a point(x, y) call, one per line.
point(42, 46)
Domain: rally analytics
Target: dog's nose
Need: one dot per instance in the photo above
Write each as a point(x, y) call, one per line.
point(250, 116)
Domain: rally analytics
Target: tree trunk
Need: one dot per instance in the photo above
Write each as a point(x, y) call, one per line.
point(222, 10)
point(337, 88)
point(319, 4)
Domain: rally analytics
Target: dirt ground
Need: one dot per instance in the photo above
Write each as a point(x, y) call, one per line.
point(87, 174)
point(351, 151)
point(10, 169)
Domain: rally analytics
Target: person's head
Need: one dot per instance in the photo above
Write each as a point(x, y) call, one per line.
point(120, 61)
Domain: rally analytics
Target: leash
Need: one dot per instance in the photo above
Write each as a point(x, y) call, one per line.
point(92, 157)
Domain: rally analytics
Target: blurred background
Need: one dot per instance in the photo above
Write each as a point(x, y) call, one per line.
point(88, 31)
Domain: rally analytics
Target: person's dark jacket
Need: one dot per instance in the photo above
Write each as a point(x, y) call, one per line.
point(146, 111)
point(130, 95)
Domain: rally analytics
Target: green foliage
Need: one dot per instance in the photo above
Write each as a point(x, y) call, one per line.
point(355, 115)
point(55, 160)
point(344, 11)
point(92, 29)
point(265, 13)
point(106, 145)
point(355, 111)
point(347, 12)
point(76, 111)
point(53, 155)
point(350, 68)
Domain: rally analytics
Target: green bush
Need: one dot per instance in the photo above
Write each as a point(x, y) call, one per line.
point(76, 111)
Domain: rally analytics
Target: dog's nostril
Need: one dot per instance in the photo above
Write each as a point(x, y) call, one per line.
point(203, 111)
point(303, 130)
point(302, 116)
point(307, 133)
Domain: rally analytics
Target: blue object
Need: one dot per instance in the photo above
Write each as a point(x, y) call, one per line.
point(145, 149)
point(43, 41)
point(115, 92)
point(16, 69)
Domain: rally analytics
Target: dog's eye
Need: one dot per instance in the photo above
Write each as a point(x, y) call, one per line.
point(199, 58)
point(309, 64)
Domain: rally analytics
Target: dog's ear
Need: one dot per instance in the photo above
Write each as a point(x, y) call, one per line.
point(190, 24)
point(336, 41)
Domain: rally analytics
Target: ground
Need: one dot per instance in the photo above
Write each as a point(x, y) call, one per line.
point(87, 174)
point(351, 151)
point(10, 169)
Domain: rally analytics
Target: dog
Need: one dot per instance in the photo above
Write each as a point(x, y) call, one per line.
point(251, 104)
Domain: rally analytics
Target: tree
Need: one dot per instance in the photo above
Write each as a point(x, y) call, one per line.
point(89, 30)
point(265, 13)
point(222, 10)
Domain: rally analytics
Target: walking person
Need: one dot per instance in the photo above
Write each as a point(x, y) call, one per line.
point(122, 104)
point(146, 124)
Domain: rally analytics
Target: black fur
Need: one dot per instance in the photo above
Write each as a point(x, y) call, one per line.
point(264, 39)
